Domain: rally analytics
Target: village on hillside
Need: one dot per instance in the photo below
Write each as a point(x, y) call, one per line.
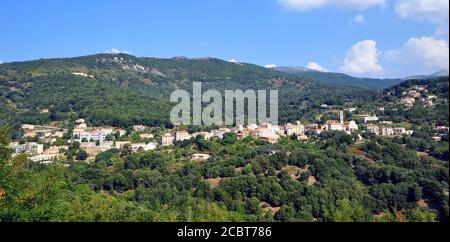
point(45, 144)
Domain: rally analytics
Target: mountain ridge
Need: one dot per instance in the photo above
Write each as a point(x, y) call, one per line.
point(67, 87)
point(341, 79)
point(440, 73)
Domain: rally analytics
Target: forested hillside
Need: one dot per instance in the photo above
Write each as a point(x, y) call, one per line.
point(331, 176)
point(121, 90)
point(329, 181)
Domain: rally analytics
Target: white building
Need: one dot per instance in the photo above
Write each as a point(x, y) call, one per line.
point(147, 136)
point(408, 101)
point(374, 129)
point(80, 123)
point(95, 135)
point(27, 127)
point(442, 128)
point(252, 127)
point(437, 138)
point(167, 139)
point(205, 135)
point(367, 119)
point(420, 88)
point(139, 128)
point(399, 131)
point(335, 126)
point(297, 129)
point(27, 148)
point(143, 147)
point(54, 150)
point(200, 157)
point(182, 135)
point(351, 126)
point(348, 127)
point(43, 159)
point(387, 131)
point(219, 133)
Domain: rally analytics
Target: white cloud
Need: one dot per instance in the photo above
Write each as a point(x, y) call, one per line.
point(435, 11)
point(315, 66)
point(305, 5)
point(425, 54)
point(233, 61)
point(302, 5)
point(117, 51)
point(359, 19)
point(362, 58)
point(270, 66)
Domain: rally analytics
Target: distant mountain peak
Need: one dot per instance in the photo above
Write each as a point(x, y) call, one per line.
point(441, 73)
point(180, 58)
point(294, 69)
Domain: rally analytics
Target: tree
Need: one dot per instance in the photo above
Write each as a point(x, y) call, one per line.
point(126, 150)
point(422, 215)
point(346, 211)
point(271, 171)
point(252, 206)
point(120, 183)
point(285, 214)
point(229, 139)
point(109, 137)
point(4, 135)
point(82, 155)
point(5, 152)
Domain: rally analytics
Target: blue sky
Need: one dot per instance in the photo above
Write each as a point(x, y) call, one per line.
point(380, 38)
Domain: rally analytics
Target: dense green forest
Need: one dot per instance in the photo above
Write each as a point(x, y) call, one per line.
point(331, 180)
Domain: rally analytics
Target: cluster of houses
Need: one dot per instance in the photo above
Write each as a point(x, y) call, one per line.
point(387, 131)
point(440, 132)
point(95, 148)
point(349, 127)
point(92, 140)
point(95, 140)
point(418, 93)
point(268, 132)
point(47, 134)
point(81, 133)
point(36, 151)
